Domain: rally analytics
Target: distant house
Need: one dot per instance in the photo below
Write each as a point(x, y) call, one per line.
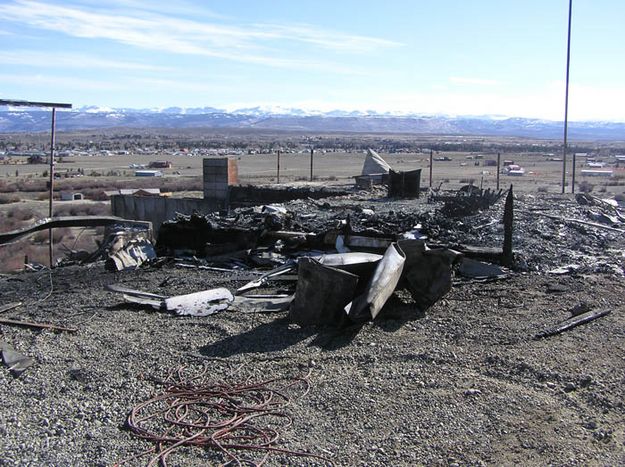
point(148, 173)
point(490, 163)
point(71, 196)
point(160, 165)
point(514, 170)
point(37, 159)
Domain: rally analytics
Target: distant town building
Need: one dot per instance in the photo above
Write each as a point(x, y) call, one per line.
point(148, 173)
point(37, 159)
point(160, 165)
point(71, 196)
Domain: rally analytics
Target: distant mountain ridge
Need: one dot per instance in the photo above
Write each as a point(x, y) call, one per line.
point(292, 119)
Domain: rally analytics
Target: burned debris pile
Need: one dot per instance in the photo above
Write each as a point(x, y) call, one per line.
point(344, 257)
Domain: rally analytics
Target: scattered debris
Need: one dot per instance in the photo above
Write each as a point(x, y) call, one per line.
point(262, 304)
point(130, 255)
point(31, 324)
point(572, 322)
point(202, 303)
point(467, 200)
point(15, 361)
point(256, 283)
point(9, 306)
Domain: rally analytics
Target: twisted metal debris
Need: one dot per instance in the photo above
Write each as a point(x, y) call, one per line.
point(234, 419)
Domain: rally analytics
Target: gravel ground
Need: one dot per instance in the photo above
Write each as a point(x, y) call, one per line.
point(462, 384)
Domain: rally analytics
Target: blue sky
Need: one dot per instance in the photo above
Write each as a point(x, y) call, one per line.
point(456, 57)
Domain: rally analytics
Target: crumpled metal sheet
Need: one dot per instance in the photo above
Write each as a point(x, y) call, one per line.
point(380, 287)
point(361, 264)
point(428, 272)
point(132, 255)
point(204, 303)
point(321, 294)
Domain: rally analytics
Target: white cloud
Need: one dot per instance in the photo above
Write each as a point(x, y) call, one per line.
point(63, 60)
point(258, 44)
point(57, 82)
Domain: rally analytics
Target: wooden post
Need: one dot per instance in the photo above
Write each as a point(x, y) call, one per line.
point(51, 194)
point(278, 167)
point(508, 215)
point(498, 168)
point(312, 152)
point(431, 160)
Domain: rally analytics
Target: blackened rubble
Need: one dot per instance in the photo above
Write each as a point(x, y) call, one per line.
point(540, 243)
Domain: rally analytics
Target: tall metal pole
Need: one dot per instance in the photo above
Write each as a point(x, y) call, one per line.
point(573, 174)
point(278, 167)
point(431, 159)
point(566, 102)
point(51, 195)
point(498, 168)
point(312, 152)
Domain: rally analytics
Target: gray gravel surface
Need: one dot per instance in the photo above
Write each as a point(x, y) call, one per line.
point(462, 384)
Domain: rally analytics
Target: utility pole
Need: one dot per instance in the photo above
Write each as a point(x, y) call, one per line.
point(431, 160)
point(312, 152)
point(498, 168)
point(566, 104)
point(278, 167)
point(51, 195)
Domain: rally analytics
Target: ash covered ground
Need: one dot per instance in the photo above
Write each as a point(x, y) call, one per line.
point(461, 383)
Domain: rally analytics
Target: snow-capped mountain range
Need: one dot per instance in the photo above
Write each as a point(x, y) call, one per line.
point(20, 119)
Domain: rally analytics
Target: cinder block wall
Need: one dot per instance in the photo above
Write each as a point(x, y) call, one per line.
point(219, 174)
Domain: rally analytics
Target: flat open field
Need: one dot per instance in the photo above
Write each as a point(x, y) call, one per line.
point(339, 167)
